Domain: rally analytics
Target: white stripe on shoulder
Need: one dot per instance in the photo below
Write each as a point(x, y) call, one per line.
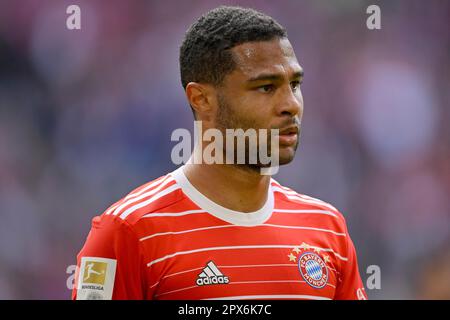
point(161, 194)
point(135, 194)
point(304, 196)
point(305, 211)
point(173, 214)
point(112, 208)
point(151, 185)
point(289, 191)
point(275, 182)
point(142, 196)
point(292, 195)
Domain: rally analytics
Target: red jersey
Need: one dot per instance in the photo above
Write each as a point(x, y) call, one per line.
point(166, 240)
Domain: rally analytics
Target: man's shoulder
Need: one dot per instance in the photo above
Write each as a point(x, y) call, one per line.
point(150, 197)
point(292, 200)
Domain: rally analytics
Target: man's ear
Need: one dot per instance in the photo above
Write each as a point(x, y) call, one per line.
point(202, 98)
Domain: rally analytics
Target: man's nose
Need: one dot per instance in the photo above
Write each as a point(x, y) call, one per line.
point(291, 103)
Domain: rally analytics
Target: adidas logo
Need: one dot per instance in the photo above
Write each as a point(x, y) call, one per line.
point(211, 275)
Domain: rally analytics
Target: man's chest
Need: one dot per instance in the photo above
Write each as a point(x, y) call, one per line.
point(243, 262)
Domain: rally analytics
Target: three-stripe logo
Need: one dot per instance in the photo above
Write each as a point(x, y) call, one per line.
point(211, 275)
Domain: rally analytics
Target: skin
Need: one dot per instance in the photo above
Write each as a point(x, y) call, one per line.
point(262, 92)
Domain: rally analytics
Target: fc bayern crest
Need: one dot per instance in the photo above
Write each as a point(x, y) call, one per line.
point(313, 269)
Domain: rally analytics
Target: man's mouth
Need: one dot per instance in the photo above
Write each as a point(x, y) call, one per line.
point(288, 136)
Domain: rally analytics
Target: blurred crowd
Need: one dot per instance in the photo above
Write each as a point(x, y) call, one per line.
point(86, 116)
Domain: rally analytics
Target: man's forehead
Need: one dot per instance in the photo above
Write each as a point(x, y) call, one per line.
point(254, 56)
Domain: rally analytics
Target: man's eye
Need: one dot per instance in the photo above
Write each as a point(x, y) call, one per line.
point(266, 88)
point(295, 85)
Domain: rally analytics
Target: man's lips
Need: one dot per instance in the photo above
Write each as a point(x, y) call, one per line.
point(289, 130)
point(288, 136)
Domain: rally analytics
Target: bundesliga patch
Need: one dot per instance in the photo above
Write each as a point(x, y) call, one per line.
point(96, 278)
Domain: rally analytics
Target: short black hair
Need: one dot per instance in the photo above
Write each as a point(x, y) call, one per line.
point(204, 53)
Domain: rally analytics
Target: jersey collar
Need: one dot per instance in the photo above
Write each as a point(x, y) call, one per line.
point(234, 217)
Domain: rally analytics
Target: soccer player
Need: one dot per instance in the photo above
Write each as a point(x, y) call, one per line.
point(226, 231)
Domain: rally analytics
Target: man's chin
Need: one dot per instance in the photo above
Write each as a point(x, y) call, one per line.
point(287, 154)
point(283, 159)
point(286, 160)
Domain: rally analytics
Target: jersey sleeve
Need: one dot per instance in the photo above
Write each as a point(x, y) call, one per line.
point(350, 286)
point(110, 264)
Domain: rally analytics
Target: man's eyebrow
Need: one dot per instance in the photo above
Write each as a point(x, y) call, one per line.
point(275, 76)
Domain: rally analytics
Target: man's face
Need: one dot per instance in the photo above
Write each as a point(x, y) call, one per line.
point(263, 92)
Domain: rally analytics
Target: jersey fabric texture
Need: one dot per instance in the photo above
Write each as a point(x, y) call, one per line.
point(168, 241)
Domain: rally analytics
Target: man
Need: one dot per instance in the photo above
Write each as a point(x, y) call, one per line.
point(226, 231)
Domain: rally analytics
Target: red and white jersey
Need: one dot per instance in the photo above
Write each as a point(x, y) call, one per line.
point(165, 240)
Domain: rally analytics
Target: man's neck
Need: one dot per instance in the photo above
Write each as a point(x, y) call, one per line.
point(232, 186)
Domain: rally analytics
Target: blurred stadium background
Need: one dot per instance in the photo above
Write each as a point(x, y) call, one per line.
point(85, 116)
